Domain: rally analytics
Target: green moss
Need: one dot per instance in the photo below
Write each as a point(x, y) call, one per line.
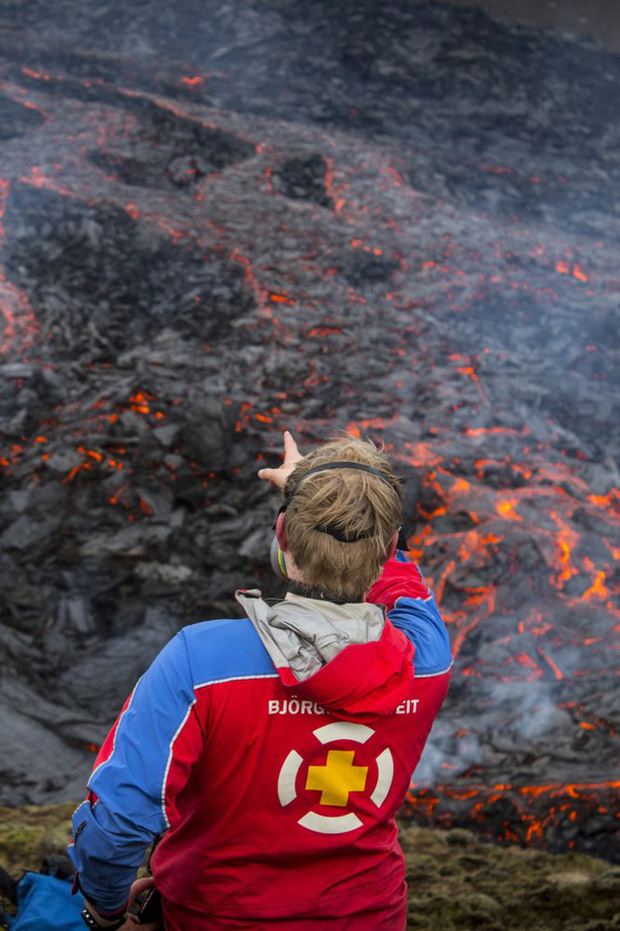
point(457, 881)
point(28, 834)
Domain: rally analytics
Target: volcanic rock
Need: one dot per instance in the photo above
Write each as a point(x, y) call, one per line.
point(389, 220)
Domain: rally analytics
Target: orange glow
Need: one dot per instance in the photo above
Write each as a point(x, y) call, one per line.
point(461, 636)
point(442, 582)
point(612, 500)
point(566, 542)
point(469, 545)
point(422, 454)
point(90, 452)
point(280, 299)
point(461, 486)
point(526, 660)
point(36, 74)
point(39, 179)
point(482, 596)
point(320, 332)
point(556, 669)
point(523, 800)
point(20, 325)
point(74, 472)
point(481, 431)
point(140, 402)
point(506, 507)
point(571, 788)
point(329, 177)
point(598, 589)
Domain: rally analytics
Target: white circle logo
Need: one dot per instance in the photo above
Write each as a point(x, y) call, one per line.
point(336, 779)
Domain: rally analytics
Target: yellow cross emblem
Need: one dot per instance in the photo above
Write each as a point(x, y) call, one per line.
point(337, 778)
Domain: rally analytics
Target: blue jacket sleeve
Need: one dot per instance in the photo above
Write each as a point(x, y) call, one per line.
point(126, 807)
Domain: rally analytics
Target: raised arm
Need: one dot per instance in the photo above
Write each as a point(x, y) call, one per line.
point(412, 608)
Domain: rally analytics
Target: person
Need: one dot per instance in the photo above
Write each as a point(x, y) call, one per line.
point(269, 754)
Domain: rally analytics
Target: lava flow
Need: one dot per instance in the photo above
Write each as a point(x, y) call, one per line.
point(194, 259)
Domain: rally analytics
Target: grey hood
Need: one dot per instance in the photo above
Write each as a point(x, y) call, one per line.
point(304, 634)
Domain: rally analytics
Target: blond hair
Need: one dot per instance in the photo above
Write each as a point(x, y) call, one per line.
point(356, 504)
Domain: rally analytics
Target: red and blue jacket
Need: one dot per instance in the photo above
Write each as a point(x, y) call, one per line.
point(271, 754)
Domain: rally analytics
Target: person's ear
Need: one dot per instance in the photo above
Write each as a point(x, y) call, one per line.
point(281, 532)
point(391, 548)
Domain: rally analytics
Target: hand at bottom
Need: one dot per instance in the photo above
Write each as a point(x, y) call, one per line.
point(133, 922)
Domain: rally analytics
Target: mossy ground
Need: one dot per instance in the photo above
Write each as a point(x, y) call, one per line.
point(455, 880)
point(30, 833)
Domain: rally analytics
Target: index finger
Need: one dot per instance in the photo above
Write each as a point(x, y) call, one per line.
point(291, 450)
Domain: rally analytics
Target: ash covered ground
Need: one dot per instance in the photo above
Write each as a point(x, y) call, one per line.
point(222, 221)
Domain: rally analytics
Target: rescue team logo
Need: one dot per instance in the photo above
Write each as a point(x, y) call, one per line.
point(337, 778)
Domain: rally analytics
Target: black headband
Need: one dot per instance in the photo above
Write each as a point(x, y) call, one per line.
point(329, 528)
point(341, 465)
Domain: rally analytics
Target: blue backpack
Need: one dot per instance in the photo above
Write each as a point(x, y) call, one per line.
point(44, 901)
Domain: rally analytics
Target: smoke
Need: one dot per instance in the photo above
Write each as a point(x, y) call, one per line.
point(526, 708)
point(437, 765)
point(517, 714)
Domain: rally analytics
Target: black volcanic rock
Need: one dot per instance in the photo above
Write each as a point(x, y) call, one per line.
point(303, 179)
point(112, 276)
point(17, 120)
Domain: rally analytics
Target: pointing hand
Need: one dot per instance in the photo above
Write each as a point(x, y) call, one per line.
point(278, 477)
